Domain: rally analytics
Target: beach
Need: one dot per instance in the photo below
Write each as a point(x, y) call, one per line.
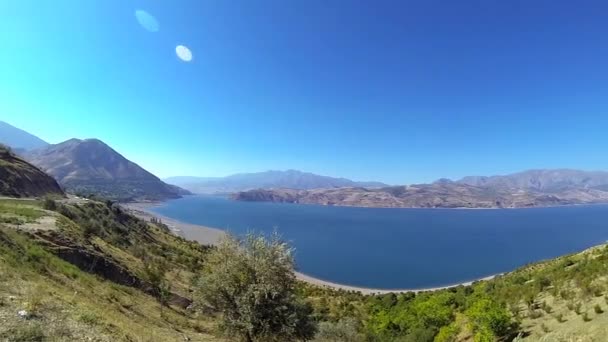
point(211, 236)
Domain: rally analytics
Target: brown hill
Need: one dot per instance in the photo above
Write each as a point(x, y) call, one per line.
point(92, 167)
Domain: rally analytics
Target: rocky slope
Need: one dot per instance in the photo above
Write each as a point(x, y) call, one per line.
point(443, 194)
point(92, 167)
point(19, 178)
point(291, 179)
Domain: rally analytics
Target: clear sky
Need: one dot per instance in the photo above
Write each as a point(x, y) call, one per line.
point(397, 91)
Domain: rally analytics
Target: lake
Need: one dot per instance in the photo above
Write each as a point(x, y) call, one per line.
point(404, 248)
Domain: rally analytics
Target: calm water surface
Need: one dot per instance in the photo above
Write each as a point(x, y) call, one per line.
point(404, 248)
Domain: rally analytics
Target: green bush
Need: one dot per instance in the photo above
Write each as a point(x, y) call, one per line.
point(447, 333)
point(486, 313)
point(252, 283)
point(49, 204)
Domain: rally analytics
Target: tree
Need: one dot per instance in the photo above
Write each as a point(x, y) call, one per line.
point(486, 315)
point(251, 282)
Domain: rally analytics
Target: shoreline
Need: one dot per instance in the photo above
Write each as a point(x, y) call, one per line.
point(211, 236)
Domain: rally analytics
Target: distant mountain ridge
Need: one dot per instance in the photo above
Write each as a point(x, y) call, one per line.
point(91, 166)
point(19, 178)
point(525, 189)
point(292, 179)
point(18, 139)
point(542, 180)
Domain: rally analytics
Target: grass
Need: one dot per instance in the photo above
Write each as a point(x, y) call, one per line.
point(20, 208)
point(67, 303)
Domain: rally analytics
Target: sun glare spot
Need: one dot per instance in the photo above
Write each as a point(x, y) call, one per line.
point(147, 20)
point(183, 53)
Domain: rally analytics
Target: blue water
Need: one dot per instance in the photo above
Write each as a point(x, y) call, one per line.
point(404, 248)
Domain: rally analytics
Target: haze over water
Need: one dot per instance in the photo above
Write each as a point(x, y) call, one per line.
point(404, 248)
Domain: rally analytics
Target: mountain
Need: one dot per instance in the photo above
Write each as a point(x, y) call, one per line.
point(291, 179)
point(91, 166)
point(526, 189)
point(19, 178)
point(18, 139)
point(542, 180)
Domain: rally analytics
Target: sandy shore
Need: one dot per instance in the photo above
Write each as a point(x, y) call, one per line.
point(202, 234)
point(211, 236)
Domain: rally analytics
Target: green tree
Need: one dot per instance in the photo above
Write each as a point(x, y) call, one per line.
point(251, 282)
point(486, 314)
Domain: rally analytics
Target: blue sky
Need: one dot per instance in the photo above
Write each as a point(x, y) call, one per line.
point(396, 91)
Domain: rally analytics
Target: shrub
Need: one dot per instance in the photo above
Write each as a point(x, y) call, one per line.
point(447, 333)
point(88, 318)
point(252, 283)
point(49, 204)
point(31, 332)
point(484, 334)
point(586, 317)
point(578, 308)
point(598, 309)
point(343, 330)
point(560, 318)
point(534, 314)
point(486, 313)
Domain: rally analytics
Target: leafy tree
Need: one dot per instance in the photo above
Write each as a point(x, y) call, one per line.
point(252, 284)
point(486, 314)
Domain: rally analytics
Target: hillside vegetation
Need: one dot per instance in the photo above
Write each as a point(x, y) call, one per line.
point(18, 178)
point(559, 300)
point(88, 270)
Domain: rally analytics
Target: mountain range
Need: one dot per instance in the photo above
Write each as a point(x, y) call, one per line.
point(525, 189)
point(543, 180)
point(18, 139)
point(292, 179)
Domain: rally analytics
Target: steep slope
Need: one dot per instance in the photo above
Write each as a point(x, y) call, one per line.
point(18, 138)
point(19, 178)
point(291, 179)
point(91, 166)
point(542, 180)
point(91, 272)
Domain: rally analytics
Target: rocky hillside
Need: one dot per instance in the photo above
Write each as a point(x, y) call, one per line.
point(92, 167)
point(19, 178)
point(290, 179)
point(443, 194)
